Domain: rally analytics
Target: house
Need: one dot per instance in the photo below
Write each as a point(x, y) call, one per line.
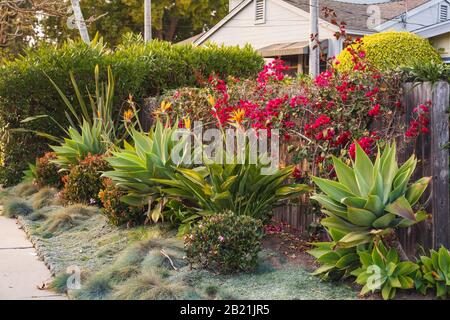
point(280, 28)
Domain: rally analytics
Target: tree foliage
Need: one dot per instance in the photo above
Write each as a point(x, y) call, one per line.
point(172, 20)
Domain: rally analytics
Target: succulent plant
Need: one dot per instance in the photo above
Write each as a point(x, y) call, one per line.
point(370, 199)
point(435, 273)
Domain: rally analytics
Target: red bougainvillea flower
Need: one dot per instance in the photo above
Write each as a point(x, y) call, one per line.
point(375, 111)
point(366, 143)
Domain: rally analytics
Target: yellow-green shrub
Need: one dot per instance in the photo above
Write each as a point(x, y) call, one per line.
point(389, 50)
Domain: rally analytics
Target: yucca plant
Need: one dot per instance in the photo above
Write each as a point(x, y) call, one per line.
point(371, 199)
point(240, 188)
point(335, 263)
point(79, 145)
point(435, 273)
point(137, 168)
point(381, 270)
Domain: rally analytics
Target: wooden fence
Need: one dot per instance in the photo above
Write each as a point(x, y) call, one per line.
point(432, 152)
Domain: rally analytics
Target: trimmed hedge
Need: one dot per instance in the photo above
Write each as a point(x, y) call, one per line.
point(390, 50)
point(140, 69)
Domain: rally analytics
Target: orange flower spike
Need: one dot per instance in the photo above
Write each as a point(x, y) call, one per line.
point(128, 115)
point(187, 123)
point(238, 116)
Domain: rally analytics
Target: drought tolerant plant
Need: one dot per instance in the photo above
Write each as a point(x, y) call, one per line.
point(118, 212)
point(225, 243)
point(241, 188)
point(434, 273)
point(84, 181)
point(371, 199)
point(13, 208)
point(381, 269)
point(136, 168)
point(335, 262)
point(46, 172)
point(427, 71)
point(79, 145)
point(67, 218)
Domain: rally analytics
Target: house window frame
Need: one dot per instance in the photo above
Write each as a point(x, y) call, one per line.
point(263, 19)
point(442, 5)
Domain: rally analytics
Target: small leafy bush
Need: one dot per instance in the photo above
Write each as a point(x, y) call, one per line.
point(435, 273)
point(382, 270)
point(118, 212)
point(389, 50)
point(47, 172)
point(84, 182)
point(14, 208)
point(225, 243)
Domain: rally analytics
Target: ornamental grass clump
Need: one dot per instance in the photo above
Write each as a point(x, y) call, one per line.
point(13, 208)
point(67, 218)
point(225, 243)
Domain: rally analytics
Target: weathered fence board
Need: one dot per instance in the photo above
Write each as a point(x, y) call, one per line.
point(432, 151)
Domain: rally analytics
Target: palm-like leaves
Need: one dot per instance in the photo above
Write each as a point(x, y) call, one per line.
point(370, 198)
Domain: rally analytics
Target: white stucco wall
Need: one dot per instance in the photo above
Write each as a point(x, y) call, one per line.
point(284, 23)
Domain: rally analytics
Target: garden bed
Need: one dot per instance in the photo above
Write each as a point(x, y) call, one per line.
point(121, 263)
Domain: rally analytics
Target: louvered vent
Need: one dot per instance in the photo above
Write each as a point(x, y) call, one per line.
point(443, 13)
point(260, 11)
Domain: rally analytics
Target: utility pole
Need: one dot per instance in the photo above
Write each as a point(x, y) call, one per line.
point(147, 20)
point(314, 50)
point(79, 21)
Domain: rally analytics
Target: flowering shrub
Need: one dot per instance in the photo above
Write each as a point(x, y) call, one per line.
point(225, 243)
point(420, 122)
point(117, 212)
point(46, 172)
point(84, 181)
point(317, 118)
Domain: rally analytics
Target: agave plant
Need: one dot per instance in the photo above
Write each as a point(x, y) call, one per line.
point(435, 273)
point(30, 174)
point(241, 188)
point(370, 199)
point(79, 145)
point(382, 270)
point(335, 263)
point(137, 168)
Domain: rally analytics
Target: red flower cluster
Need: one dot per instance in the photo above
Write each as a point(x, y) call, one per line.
point(420, 122)
point(366, 143)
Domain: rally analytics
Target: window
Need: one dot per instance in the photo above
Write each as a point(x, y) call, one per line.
point(443, 13)
point(260, 11)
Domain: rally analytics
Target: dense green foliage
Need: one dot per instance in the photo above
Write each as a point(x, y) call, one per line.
point(370, 199)
point(434, 273)
point(225, 243)
point(118, 212)
point(140, 70)
point(84, 182)
point(47, 172)
point(381, 269)
point(389, 50)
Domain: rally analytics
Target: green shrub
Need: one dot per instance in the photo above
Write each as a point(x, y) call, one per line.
point(225, 243)
point(141, 70)
point(371, 199)
point(381, 270)
point(117, 212)
point(84, 182)
point(47, 172)
point(13, 208)
point(434, 273)
point(389, 50)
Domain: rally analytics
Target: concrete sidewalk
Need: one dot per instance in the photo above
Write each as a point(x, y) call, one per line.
point(21, 272)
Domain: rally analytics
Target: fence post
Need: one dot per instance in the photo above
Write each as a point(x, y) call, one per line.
point(440, 163)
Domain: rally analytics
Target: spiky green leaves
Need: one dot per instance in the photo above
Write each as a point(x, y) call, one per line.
point(370, 198)
point(435, 273)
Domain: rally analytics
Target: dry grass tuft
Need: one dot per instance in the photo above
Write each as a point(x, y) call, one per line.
point(67, 218)
point(44, 198)
point(14, 208)
point(25, 189)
